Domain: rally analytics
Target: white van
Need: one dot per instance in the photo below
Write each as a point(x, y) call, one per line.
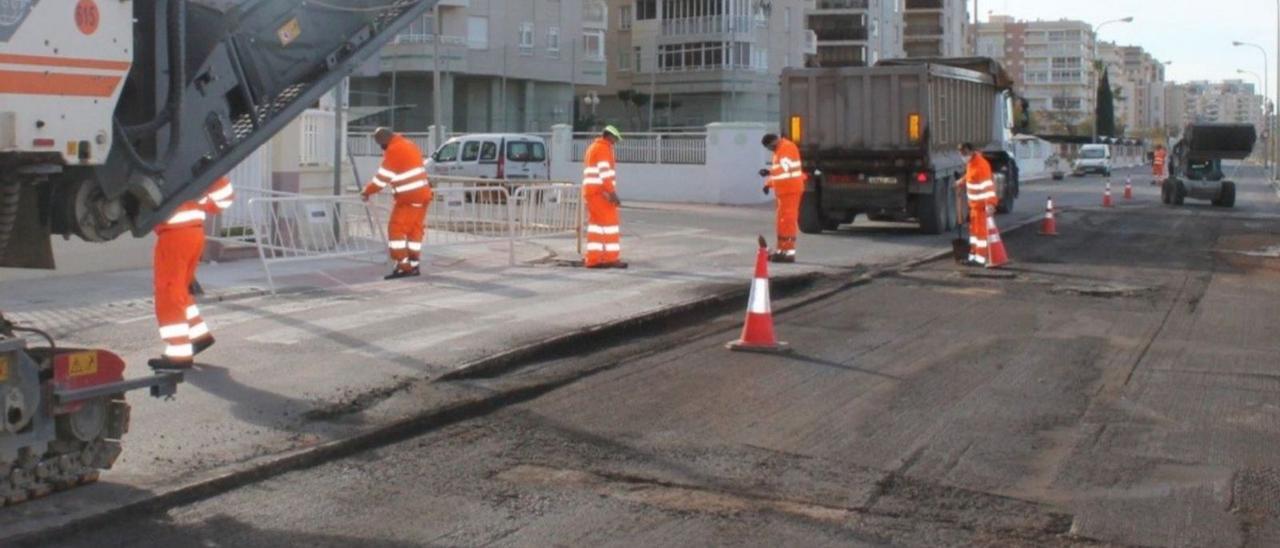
point(492, 156)
point(1094, 159)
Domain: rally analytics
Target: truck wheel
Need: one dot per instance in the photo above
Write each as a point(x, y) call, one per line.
point(1179, 193)
point(1166, 193)
point(1227, 196)
point(951, 220)
point(811, 221)
point(930, 211)
point(1006, 200)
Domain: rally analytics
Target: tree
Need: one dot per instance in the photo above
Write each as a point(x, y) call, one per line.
point(1106, 115)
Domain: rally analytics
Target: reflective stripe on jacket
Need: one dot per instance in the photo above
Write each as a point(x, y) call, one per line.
point(194, 212)
point(599, 168)
point(403, 172)
point(979, 184)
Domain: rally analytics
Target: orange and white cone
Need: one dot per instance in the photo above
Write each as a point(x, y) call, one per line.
point(1049, 227)
point(997, 257)
point(1106, 197)
point(1128, 188)
point(757, 330)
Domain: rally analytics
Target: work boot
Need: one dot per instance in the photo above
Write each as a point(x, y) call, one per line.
point(165, 364)
point(617, 264)
point(202, 344)
point(972, 263)
point(397, 274)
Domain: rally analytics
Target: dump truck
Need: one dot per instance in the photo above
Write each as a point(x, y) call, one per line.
point(1195, 167)
point(882, 141)
point(112, 114)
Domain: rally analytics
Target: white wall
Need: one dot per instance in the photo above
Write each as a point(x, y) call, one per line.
point(729, 176)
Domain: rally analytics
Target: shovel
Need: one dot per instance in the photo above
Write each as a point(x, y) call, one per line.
point(959, 246)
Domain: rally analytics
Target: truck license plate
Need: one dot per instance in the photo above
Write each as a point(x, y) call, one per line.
point(882, 180)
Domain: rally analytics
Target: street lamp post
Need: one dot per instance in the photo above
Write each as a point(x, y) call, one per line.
point(1266, 67)
point(1097, 74)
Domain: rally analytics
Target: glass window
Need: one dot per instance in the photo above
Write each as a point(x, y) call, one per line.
point(593, 44)
point(553, 39)
point(471, 151)
point(447, 153)
point(646, 9)
point(526, 151)
point(624, 18)
point(526, 35)
point(489, 151)
point(477, 32)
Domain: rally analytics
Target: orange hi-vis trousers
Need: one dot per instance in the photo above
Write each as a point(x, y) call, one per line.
point(177, 255)
point(405, 232)
point(604, 231)
point(979, 234)
point(788, 220)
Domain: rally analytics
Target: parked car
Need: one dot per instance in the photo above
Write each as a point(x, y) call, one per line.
point(492, 156)
point(1093, 159)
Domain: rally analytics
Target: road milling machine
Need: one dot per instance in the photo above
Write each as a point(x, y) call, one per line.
point(112, 114)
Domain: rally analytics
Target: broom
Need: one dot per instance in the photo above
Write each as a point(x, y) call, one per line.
point(959, 246)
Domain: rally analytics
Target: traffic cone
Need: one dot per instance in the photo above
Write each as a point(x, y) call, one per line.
point(757, 330)
point(1128, 188)
point(995, 245)
point(1106, 197)
point(1049, 227)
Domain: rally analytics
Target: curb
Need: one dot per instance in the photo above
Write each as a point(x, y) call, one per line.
point(463, 408)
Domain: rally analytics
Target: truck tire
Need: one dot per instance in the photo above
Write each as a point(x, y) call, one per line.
point(951, 220)
point(1006, 200)
point(1227, 196)
point(1166, 193)
point(811, 221)
point(930, 211)
point(1179, 193)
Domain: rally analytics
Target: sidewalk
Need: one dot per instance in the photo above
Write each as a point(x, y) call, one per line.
point(296, 370)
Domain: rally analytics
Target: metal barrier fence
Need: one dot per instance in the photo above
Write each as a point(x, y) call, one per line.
point(651, 148)
point(463, 212)
point(293, 228)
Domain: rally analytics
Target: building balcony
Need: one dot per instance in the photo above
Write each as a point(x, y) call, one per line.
point(711, 24)
point(924, 5)
point(918, 32)
point(838, 5)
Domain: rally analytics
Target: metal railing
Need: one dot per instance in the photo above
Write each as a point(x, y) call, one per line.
point(316, 148)
point(362, 144)
point(292, 228)
point(709, 24)
point(651, 148)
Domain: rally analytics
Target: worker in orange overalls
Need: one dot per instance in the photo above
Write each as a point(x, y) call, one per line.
point(980, 188)
point(786, 177)
point(179, 244)
point(1158, 162)
point(600, 192)
point(405, 174)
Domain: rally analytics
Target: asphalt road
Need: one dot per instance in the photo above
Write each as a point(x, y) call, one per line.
point(1117, 384)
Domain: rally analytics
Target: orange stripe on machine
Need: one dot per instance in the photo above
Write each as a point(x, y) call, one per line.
point(55, 83)
point(70, 62)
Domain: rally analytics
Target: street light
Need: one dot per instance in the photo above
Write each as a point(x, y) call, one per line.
point(1097, 74)
point(1266, 124)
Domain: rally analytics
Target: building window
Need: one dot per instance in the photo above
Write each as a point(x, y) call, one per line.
point(624, 61)
point(646, 10)
point(478, 32)
point(624, 18)
point(526, 37)
point(639, 59)
point(553, 40)
point(593, 45)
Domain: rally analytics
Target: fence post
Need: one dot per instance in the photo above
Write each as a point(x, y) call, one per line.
point(659, 142)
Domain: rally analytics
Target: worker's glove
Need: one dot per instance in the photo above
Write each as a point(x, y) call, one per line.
point(364, 197)
point(764, 173)
point(765, 190)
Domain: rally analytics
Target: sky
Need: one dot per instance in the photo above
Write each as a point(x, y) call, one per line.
point(1195, 34)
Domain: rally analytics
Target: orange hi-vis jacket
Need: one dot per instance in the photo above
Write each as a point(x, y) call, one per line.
point(192, 213)
point(979, 184)
point(1157, 161)
point(786, 176)
point(599, 171)
point(403, 171)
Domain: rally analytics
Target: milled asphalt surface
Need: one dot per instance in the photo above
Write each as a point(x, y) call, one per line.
point(1117, 384)
point(283, 363)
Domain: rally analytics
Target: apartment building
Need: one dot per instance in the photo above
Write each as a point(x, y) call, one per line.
point(505, 66)
point(1229, 101)
point(935, 28)
point(854, 32)
point(1124, 87)
point(1052, 64)
point(1147, 74)
point(687, 63)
